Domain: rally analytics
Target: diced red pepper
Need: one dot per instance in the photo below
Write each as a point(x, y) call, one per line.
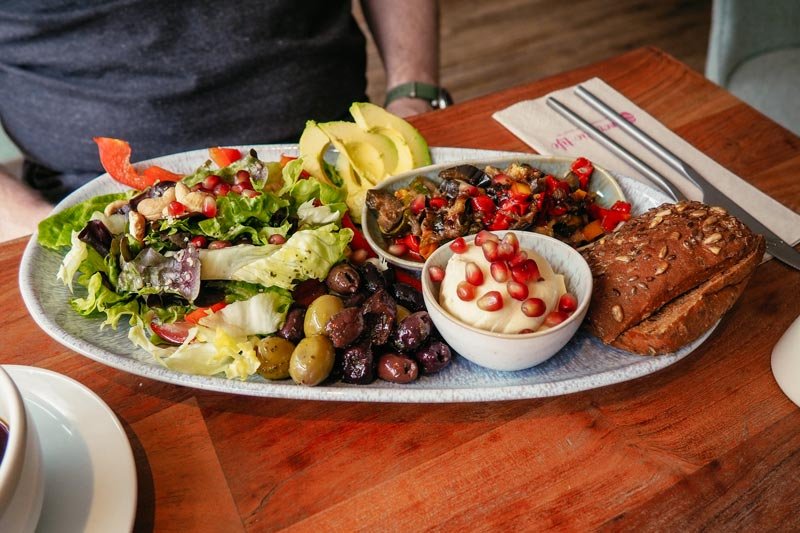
point(622, 207)
point(437, 202)
point(557, 210)
point(224, 156)
point(483, 203)
point(201, 312)
point(359, 242)
point(411, 242)
point(582, 168)
point(499, 222)
point(552, 184)
point(609, 218)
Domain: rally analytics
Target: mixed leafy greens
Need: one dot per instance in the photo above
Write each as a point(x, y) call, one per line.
point(200, 286)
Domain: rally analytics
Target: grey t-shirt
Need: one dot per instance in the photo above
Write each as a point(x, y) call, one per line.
point(169, 76)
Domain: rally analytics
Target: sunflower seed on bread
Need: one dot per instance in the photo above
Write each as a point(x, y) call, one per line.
point(691, 263)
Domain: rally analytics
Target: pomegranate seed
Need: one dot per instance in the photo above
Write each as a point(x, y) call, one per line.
point(222, 189)
point(555, 318)
point(533, 307)
point(237, 189)
point(250, 193)
point(471, 190)
point(491, 301)
point(490, 251)
point(474, 274)
point(459, 246)
point(418, 204)
point(511, 238)
point(483, 236)
point(176, 209)
point(436, 273)
point(210, 182)
point(524, 331)
point(359, 256)
point(517, 290)
point(276, 238)
point(499, 271)
point(397, 249)
point(518, 258)
point(216, 245)
point(242, 177)
point(465, 291)
point(210, 207)
point(199, 241)
point(567, 303)
point(526, 271)
point(505, 251)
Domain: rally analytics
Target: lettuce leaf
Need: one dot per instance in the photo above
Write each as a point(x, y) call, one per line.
point(153, 273)
point(72, 261)
point(262, 314)
point(56, 231)
point(238, 215)
point(102, 300)
point(309, 253)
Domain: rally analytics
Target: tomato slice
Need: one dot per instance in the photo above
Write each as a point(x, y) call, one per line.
point(175, 333)
point(154, 174)
point(224, 156)
point(115, 156)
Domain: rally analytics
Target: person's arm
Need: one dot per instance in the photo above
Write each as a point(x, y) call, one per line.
point(21, 208)
point(406, 33)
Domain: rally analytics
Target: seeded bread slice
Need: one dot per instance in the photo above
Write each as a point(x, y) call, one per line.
point(685, 319)
point(657, 257)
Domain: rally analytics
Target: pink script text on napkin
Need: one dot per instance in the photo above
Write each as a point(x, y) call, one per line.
point(570, 138)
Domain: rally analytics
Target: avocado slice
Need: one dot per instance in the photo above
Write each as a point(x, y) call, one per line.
point(371, 117)
point(372, 156)
point(356, 193)
point(312, 147)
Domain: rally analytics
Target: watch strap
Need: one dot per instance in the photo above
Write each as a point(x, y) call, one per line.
point(437, 96)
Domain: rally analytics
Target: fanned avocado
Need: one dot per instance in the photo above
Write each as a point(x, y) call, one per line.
point(374, 118)
point(356, 191)
point(372, 156)
point(312, 147)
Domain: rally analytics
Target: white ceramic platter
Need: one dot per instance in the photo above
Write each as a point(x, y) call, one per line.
point(584, 363)
point(89, 472)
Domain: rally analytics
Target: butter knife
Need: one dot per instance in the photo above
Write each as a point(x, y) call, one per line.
point(711, 195)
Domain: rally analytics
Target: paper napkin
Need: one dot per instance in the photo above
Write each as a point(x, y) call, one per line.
point(550, 134)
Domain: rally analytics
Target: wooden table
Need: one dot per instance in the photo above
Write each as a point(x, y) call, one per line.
point(709, 441)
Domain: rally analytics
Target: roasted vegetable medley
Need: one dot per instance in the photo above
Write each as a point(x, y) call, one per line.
point(420, 217)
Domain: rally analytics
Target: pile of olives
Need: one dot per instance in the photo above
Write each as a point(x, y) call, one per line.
point(358, 325)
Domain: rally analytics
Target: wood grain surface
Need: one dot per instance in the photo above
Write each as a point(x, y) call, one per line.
point(708, 443)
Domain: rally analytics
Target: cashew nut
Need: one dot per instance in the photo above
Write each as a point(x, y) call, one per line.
point(136, 225)
point(193, 200)
point(114, 206)
point(156, 208)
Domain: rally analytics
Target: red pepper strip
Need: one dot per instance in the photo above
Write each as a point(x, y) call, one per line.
point(155, 174)
point(359, 242)
point(411, 242)
point(582, 168)
point(115, 156)
point(201, 312)
point(224, 156)
point(404, 277)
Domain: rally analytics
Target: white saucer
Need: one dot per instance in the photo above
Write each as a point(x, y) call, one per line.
point(90, 475)
point(786, 362)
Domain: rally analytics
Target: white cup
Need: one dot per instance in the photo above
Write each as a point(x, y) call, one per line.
point(21, 471)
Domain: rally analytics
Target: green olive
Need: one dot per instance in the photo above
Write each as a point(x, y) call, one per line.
point(319, 312)
point(274, 354)
point(312, 360)
point(402, 312)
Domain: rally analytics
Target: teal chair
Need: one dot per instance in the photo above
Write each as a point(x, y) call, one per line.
point(754, 52)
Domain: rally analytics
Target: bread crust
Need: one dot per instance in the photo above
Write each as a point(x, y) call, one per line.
point(660, 256)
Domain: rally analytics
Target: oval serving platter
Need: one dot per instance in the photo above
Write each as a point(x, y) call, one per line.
point(584, 363)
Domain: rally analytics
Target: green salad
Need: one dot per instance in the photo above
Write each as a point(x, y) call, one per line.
point(200, 266)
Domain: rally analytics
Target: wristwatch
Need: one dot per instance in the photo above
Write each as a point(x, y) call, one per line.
point(437, 96)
